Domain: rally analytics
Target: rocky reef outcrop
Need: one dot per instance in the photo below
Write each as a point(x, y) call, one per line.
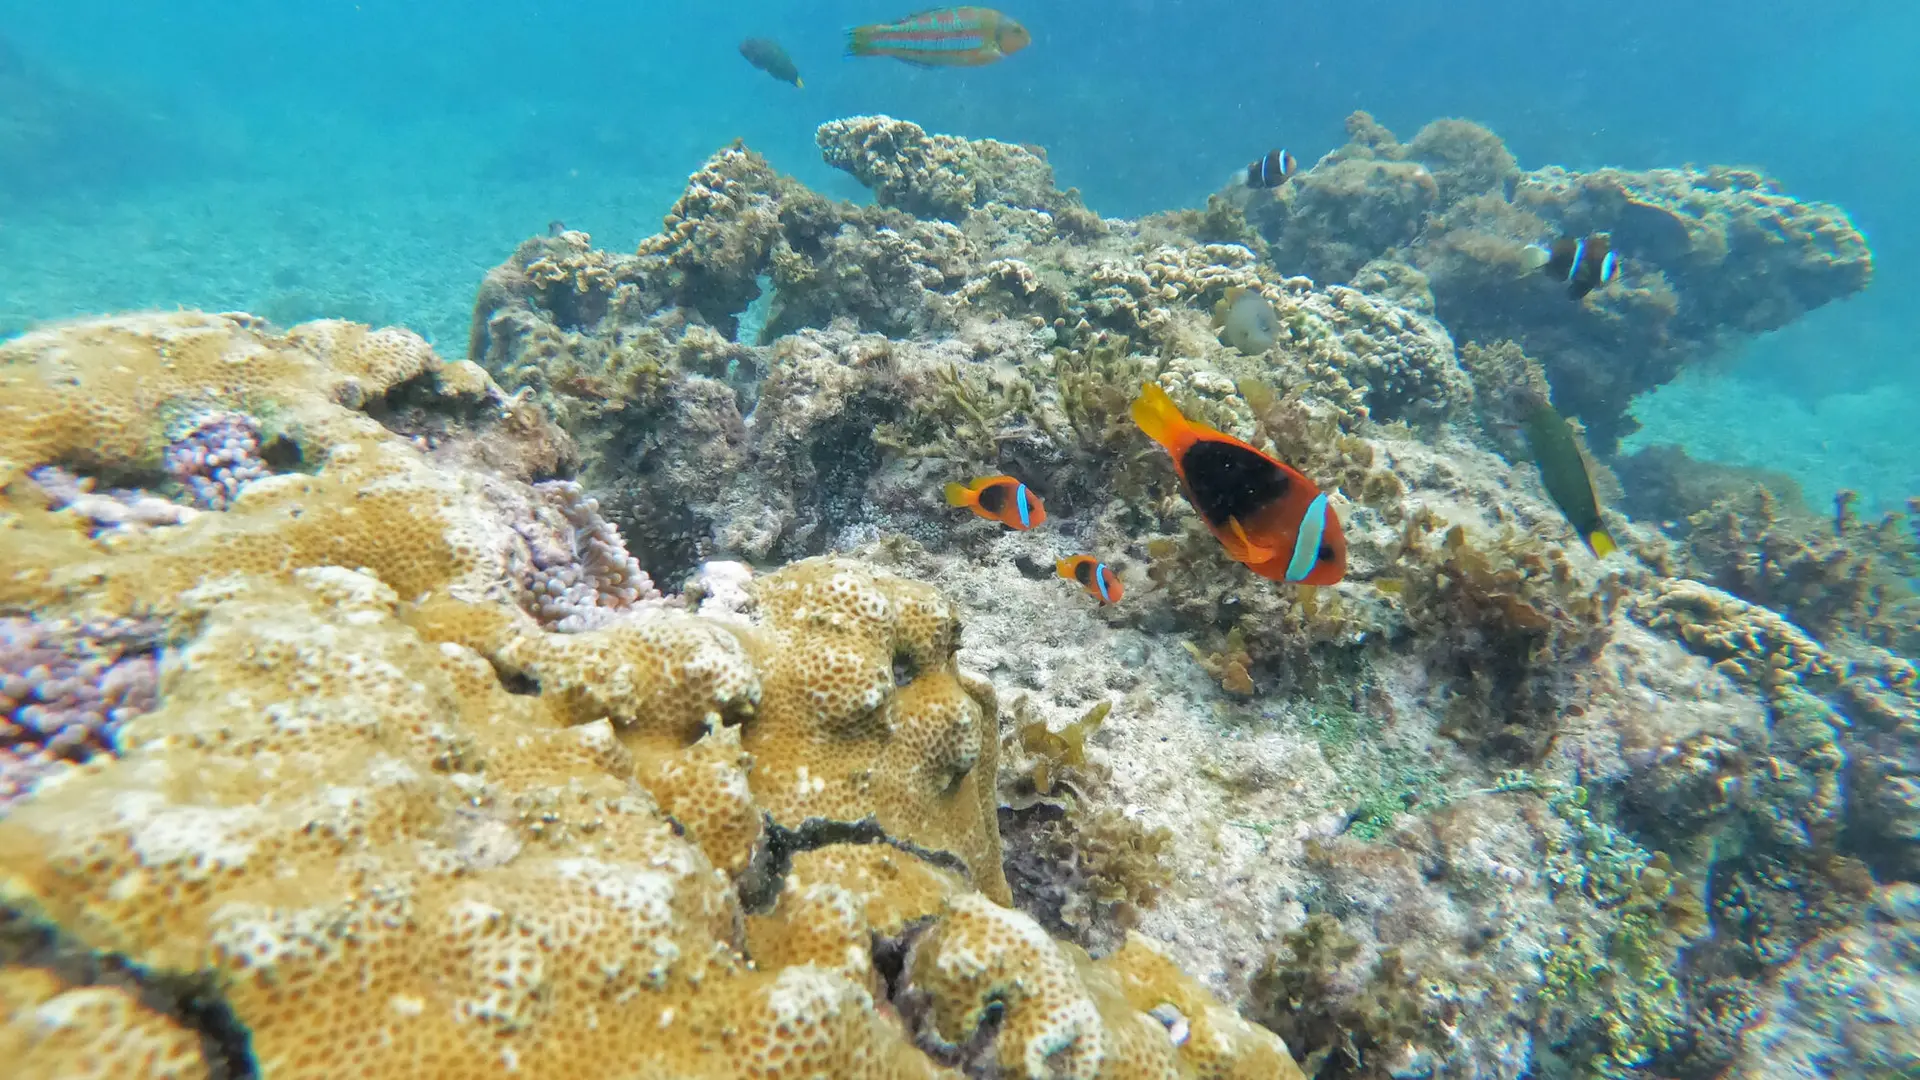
point(1710, 253)
point(481, 684)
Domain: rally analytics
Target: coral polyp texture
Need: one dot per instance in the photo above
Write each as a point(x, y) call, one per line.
point(391, 761)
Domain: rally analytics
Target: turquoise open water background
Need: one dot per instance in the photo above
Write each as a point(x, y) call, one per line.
point(373, 159)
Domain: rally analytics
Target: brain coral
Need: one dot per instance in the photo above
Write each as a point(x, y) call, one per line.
point(382, 821)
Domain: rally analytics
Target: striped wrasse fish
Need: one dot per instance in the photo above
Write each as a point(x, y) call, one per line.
point(942, 37)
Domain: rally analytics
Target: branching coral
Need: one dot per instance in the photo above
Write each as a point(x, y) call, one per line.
point(1745, 641)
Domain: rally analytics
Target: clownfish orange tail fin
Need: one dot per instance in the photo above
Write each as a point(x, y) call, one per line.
point(959, 495)
point(1160, 418)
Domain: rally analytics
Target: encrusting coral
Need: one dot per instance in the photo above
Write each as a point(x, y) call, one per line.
point(380, 816)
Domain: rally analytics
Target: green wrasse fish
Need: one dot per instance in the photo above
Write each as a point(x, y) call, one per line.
point(767, 55)
point(942, 37)
point(1564, 472)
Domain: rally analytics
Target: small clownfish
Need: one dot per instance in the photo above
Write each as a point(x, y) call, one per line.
point(999, 498)
point(1265, 513)
point(1584, 263)
point(1098, 578)
point(1271, 171)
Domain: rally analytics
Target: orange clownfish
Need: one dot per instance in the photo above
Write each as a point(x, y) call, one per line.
point(1265, 513)
point(999, 498)
point(1101, 582)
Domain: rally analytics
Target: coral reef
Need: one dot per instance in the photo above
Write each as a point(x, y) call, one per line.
point(942, 176)
point(347, 728)
point(1751, 533)
point(1709, 253)
point(1012, 334)
point(1847, 1005)
point(380, 816)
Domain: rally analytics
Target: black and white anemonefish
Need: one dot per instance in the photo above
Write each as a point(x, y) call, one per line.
point(1274, 169)
point(1264, 512)
point(999, 498)
point(1584, 263)
point(1097, 577)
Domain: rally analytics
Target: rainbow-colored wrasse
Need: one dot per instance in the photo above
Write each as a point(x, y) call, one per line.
point(942, 37)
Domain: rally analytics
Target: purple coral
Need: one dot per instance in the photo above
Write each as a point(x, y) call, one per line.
point(107, 511)
point(216, 454)
point(582, 575)
point(65, 690)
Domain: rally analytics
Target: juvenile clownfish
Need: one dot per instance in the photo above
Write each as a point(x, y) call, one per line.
point(999, 498)
point(1271, 171)
point(1563, 471)
point(1265, 513)
point(1097, 577)
point(1584, 263)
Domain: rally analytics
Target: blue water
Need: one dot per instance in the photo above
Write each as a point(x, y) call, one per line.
point(373, 159)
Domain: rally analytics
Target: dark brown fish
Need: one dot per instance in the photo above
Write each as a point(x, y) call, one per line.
point(1584, 262)
point(767, 55)
point(1275, 168)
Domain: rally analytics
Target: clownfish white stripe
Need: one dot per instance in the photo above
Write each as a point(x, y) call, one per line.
point(1306, 546)
point(1100, 582)
point(1609, 266)
point(1026, 510)
point(1579, 256)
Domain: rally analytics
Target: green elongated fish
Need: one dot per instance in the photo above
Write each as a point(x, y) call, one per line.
point(767, 55)
point(1564, 472)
